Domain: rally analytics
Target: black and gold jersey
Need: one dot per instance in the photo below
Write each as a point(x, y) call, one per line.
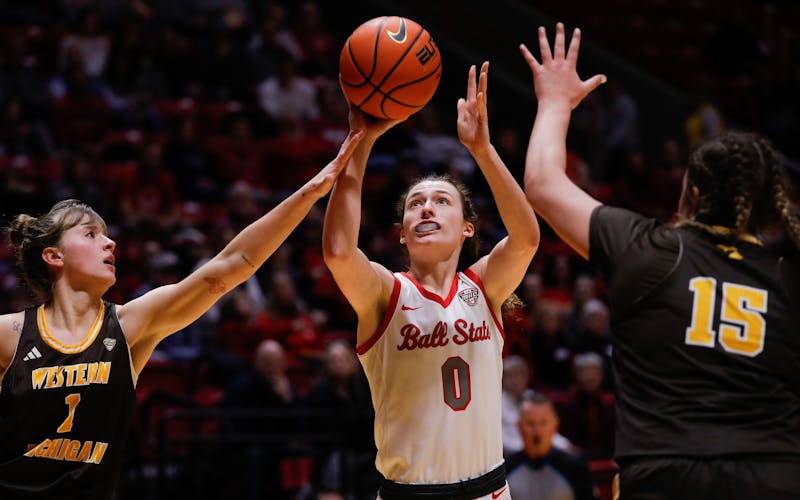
point(706, 340)
point(64, 411)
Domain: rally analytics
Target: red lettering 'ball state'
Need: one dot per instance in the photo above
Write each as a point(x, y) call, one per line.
point(390, 67)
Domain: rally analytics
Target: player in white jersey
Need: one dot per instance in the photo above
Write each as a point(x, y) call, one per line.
point(431, 339)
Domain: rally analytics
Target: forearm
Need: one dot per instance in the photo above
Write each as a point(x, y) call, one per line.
point(512, 205)
point(343, 215)
point(546, 158)
point(246, 252)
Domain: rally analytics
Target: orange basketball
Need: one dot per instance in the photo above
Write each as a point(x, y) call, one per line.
point(390, 67)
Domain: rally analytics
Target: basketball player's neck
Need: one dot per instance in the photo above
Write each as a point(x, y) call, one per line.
point(436, 277)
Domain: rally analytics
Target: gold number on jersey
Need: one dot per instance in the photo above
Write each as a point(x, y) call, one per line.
point(456, 383)
point(742, 325)
point(72, 402)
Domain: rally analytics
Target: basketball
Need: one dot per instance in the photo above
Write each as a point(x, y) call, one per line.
point(390, 67)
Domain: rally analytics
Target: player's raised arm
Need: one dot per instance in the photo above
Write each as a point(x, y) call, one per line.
point(165, 310)
point(559, 89)
point(366, 285)
point(505, 266)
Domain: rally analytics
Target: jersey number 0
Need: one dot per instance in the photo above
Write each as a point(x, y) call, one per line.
point(456, 383)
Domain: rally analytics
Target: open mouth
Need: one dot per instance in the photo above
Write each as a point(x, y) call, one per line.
point(426, 227)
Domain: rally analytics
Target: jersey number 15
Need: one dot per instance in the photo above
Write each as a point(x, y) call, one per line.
point(741, 321)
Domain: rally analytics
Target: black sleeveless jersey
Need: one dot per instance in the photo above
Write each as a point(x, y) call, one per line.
point(706, 340)
point(64, 412)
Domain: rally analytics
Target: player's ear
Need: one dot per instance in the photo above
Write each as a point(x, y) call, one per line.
point(52, 257)
point(469, 230)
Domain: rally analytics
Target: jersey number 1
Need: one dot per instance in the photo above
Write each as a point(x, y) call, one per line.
point(742, 325)
point(72, 402)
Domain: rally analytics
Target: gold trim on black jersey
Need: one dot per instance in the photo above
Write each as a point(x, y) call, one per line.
point(41, 321)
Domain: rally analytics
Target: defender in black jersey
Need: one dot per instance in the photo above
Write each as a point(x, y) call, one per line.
point(705, 316)
point(68, 366)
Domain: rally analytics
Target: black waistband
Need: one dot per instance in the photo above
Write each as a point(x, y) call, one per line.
point(462, 490)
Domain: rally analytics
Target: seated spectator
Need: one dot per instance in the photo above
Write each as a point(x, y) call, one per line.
point(541, 471)
point(192, 164)
point(594, 335)
point(149, 200)
point(93, 45)
point(584, 288)
point(516, 388)
point(290, 320)
point(288, 96)
point(255, 468)
point(587, 418)
point(551, 354)
point(243, 323)
point(345, 469)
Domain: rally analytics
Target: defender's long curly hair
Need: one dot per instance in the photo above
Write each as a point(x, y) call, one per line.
point(743, 187)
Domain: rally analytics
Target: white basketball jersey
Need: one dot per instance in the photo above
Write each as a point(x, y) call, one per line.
point(434, 368)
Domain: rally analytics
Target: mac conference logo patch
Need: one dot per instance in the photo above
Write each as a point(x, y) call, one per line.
point(469, 296)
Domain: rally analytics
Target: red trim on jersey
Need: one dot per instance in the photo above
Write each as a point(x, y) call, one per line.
point(387, 317)
point(469, 273)
point(432, 296)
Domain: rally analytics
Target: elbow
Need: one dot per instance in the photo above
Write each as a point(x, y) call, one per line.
point(533, 239)
point(333, 255)
point(532, 192)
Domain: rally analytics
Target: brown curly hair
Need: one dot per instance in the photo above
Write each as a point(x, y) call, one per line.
point(743, 187)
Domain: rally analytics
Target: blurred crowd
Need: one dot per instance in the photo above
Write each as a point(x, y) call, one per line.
point(181, 122)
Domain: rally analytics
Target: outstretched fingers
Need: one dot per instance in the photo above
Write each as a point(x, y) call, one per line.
point(472, 89)
point(560, 45)
point(574, 47)
point(483, 84)
point(348, 147)
point(533, 64)
point(544, 46)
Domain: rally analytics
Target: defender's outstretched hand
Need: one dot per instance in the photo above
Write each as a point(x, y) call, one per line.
point(322, 183)
point(473, 124)
point(555, 78)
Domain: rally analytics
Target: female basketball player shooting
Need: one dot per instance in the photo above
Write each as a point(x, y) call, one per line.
point(430, 339)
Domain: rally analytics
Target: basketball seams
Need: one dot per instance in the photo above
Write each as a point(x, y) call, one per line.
point(388, 95)
point(389, 92)
point(393, 64)
point(376, 87)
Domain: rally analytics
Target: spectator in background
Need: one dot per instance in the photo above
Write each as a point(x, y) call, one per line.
point(587, 417)
point(542, 471)
point(290, 320)
point(621, 126)
point(584, 288)
point(266, 385)
point(79, 181)
point(150, 198)
point(594, 335)
point(271, 38)
point(550, 352)
point(192, 164)
point(287, 96)
point(255, 471)
point(516, 388)
point(345, 469)
point(320, 48)
point(243, 324)
point(92, 44)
